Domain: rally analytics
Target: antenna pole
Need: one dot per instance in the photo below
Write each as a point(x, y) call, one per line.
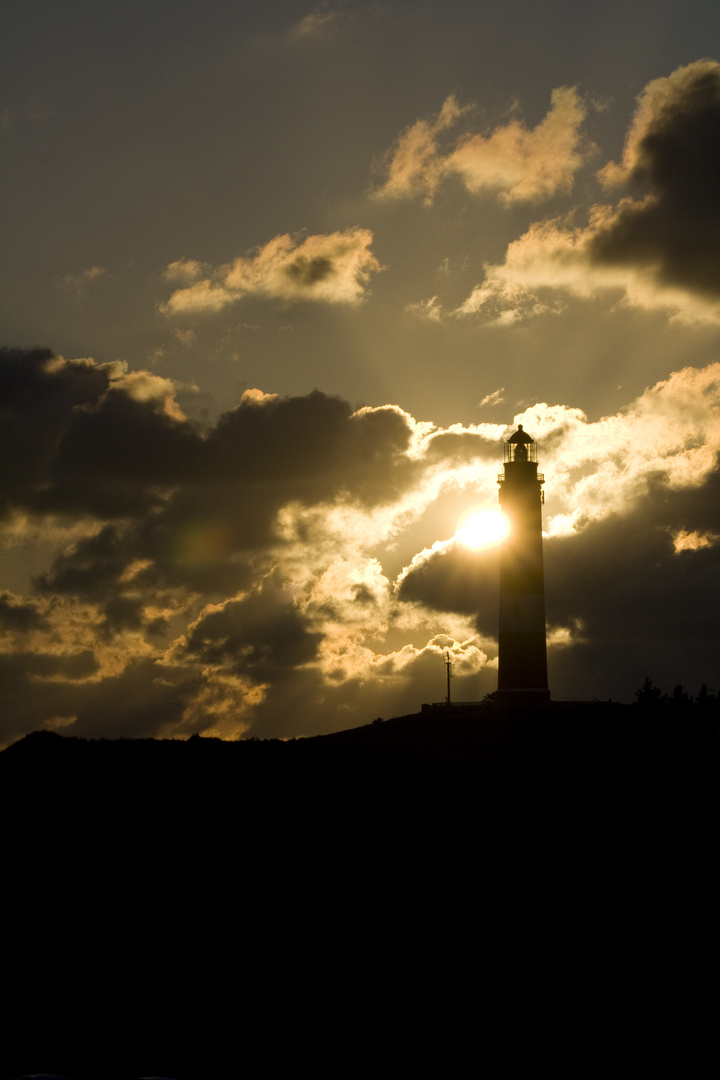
point(448, 665)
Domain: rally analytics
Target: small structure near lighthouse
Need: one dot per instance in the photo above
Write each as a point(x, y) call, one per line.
point(522, 660)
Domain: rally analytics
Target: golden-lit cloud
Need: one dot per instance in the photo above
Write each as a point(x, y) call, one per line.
point(504, 298)
point(670, 434)
point(257, 397)
point(416, 166)
point(526, 165)
point(657, 247)
point(184, 271)
point(147, 388)
point(694, 541)
point(200, 298)
point(551, 261)
point(334, 268)
point(517, 163)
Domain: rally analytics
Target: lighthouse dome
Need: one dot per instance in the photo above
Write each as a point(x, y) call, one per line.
point(520, 436)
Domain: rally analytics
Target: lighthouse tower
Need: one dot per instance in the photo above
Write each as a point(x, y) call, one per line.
point(522, 662)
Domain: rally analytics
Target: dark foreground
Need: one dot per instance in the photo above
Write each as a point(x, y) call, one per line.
point(203, 909)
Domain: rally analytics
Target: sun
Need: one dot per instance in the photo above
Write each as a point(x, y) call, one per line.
point(482, 528)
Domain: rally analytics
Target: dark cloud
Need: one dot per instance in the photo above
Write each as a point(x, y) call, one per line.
point(671, 225)
point(144, 700)
point(260, 635)
point(363, 595)
point(461, 446)
point(457, 579)
point(118, 454)
point(51, 666)
point(38, 689)
point(86, 440)
point(633, 603)
point(81, 437)
point(124, 612)
point(17, 617)
point(90, 568)
point(625, 580)
point(73, 443)
point(309, 271)
point(314, 447)
point(38, 395)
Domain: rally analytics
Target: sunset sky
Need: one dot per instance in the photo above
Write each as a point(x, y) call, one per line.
point(277, 279)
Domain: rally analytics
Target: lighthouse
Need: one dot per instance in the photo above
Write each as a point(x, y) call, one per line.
point(522, 659)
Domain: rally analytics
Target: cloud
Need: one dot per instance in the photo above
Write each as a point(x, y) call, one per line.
point(258, 634)
point(693, 541)
point(451, 577)
point(416, 166)
point(503, 299)
point(496, 398)
point(658, 246)
point(184, 271)
point(516, 163)
point(637, 602)
point(669, 435)
point(200, 298)
point(332, 269)
point(523, 165)
point(38, 394)
point(17, 617)
point(431, 309)
point(79, 283)
point(672, 151)
point(284, 570)
point(317, 23)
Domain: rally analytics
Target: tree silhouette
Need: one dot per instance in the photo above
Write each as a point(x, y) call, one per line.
point(648, 695)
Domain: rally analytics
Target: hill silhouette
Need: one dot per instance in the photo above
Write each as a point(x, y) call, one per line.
point(163, 892)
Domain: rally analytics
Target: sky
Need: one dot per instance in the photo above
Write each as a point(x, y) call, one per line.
point(277, 280)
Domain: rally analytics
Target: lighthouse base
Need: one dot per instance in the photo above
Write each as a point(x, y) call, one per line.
point(522, 697)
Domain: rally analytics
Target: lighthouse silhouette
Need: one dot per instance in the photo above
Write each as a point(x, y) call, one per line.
point(522, 659)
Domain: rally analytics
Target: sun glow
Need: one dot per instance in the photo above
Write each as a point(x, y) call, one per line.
point(482, 528)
